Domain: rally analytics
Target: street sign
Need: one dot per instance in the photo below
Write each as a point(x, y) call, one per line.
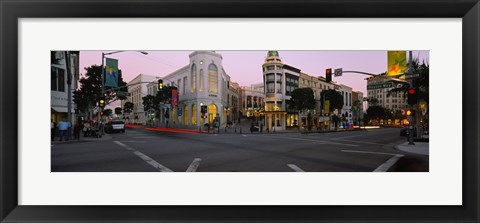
point(123, 93)
point(379, 86)
point(338, 72)
point(410, 76)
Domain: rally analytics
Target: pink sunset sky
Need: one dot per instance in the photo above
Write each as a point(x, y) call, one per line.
point(245, 67)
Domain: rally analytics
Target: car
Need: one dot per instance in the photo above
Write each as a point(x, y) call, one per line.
point(115, 126)
point(254, 128)
point(404, 131)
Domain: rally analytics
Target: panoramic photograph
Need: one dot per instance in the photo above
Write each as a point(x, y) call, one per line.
point(240, 111)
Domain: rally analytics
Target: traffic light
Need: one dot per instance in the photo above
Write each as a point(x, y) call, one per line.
point(160, 84)
point(101, 102)
point(412, 96)
point(328, 75)
point(410, 112)
point(101, 113)
point(204, 109)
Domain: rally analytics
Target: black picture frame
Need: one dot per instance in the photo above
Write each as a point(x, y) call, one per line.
point(11, 11)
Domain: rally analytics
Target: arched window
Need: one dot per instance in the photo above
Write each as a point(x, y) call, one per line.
point(193, 79)
point(201, 80)
point(194, 114)
point(212, 78)
point(212, 113)
point(185, 115)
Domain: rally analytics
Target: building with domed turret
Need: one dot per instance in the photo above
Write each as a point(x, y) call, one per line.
point(280, 80)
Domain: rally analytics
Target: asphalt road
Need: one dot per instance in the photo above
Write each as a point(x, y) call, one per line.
point(140, 150)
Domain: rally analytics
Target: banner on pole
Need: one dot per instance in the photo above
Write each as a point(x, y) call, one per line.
point(397, 62)
point(327, 107)
point(174, 97)
point(111, 73)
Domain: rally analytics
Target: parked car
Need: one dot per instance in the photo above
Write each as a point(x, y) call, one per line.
point(115, 126)
point(404, 131)
point(254, 128)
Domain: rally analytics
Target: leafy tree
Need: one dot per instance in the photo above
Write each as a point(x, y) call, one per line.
point(376, 111)
point(335, 98)
point(128, 107)
point(90, 89)
point(118, 110)
point(422, 82)
point(107, 112)
point(336, 119)
point(302, 99)
point(165, 95)
point(151, 102)
point(372, 101)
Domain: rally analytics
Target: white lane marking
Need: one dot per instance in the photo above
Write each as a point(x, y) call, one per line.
point(145, 137)
point(244, 135)
point(345, 137)
point(389, 163)
point(134, 141)
point(379, 153)
point(194, 165)
point(386, 165)
point(145, 158)
point(334, 143)
point(314, 141)
point(372, 143)
point(295, 168)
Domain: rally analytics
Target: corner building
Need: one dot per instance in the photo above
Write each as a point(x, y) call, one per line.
point(280, 80)
point(202, 82)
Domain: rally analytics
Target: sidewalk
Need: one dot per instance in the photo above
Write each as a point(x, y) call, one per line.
point(82, 139)
point(419, 148)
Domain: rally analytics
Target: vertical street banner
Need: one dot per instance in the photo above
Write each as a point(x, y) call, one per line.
point(174, 97)
point(111, 73)
point(397, 62)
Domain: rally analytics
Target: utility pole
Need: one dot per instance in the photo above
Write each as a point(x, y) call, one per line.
point(69, 93)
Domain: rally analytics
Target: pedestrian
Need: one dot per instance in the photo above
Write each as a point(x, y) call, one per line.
point(76, 130)
point(63, 128)
point(52, 130)
point(86, 129)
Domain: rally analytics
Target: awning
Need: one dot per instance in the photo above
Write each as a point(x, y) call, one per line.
point(61, 109)
point(273, 113)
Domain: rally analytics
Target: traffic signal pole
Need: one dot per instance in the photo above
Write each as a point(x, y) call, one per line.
point(410, 82)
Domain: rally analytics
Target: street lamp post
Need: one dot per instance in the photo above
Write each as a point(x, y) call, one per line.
point(103, 73)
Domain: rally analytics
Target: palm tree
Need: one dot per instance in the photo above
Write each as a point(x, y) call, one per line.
point(422, 82)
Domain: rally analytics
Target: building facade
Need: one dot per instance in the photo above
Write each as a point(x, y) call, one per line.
point(253, 98)
point(59, 86)
point(378, 91)
point(137, 89)
point(357, 107)
point(203, 82)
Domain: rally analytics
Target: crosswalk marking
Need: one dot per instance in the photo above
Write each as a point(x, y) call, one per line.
point(295, 168)
point(194, 165)
point(386, 165)
point(145, 158)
